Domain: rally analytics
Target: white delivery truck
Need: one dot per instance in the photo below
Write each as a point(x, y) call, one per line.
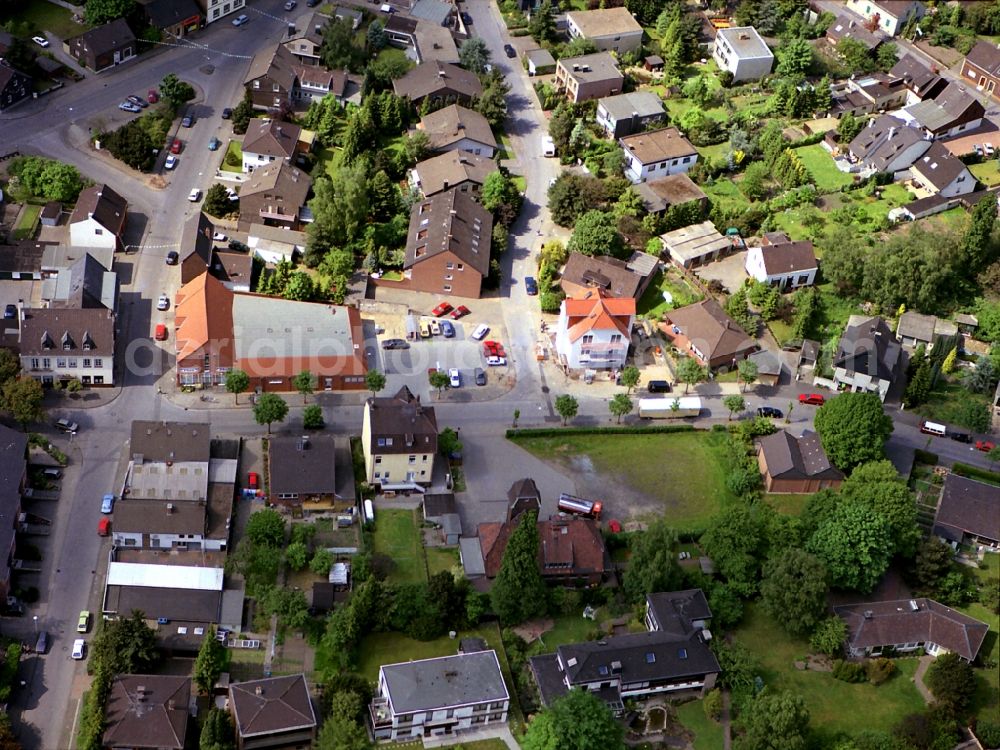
point(669, 408)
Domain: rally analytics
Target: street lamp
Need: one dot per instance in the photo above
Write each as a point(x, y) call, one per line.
point(35, 618)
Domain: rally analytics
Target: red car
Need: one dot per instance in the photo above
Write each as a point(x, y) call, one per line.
point(443, 309)
point(161, 332)
point(152, 97)
point(176, 146)
point(985, 446)
point(253, 480)
point(460, 312)
point(493, 349)
point(104, 527)
point(811, 398)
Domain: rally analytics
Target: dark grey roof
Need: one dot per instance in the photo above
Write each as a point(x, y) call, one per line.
point(271, 705)
point(147, 711)
point(438, 504)
point(196, 238)
point(985, 55)
point(788, 257)
point(404, 420)
point(789, 457)
point(193, 605)
point(46, 331)
point(672, 190)
point(160, 516)
point(23, 256)
point(170, 441)
point(921, 79)
point(523, 497)
point(444, 682)
point(676, 611)
point(302, 465)
point(968, 507)
point(917, 326)
point(110, 36)
point(472, 645)
point(433, 77)
point(939, 166)
point(633, 104)
point(602, 272)
point(869, 348)
point(86, 285)
point(164, 13)
point(453, 222)
point(768, 363)
point(101, 203)
point(953, 106)
point(881, 141)
point(849, 25)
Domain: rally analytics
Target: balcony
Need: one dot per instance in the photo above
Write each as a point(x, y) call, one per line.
point(380, 712)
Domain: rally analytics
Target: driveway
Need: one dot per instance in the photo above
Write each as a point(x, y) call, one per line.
point(729, 271)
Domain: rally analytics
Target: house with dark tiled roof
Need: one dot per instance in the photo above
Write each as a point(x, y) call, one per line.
point(457, 128)
point(99, 218)
point(672, 657)
point(868, 356)
point(968, 513)
point(303, 472)
point(267, 140)
point(915, 329)
point(15, 86)
point(629, 113)
point(440, 510)
point(981, 68)
point(62, 344)
point(274, 195)
point(273, 712)
point(271, 78)
point(307, 39)
point(399, 437)
point(440, 82)
point(460, 170)
point(851, 26)
point(13, 481)
point(705, 331)
point(172, 17)
point(617, 278)
point(787, 265)
point(887, 144)
point(954, 111)
point(147, 712)
point(906, 625)
point(921, 81)
point(942, 173)
point(795, 464)
point(104, 46)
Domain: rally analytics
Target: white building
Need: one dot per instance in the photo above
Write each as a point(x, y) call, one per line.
point(594, 332)
point(267, 140)
point(788, 265)
point(657, 153)
point(98, 219)
point(890, 15)
point(216, 9)
point(59, 344)
point(610, 29)
point(742, 52)
point(439, 697)
point(943, 173)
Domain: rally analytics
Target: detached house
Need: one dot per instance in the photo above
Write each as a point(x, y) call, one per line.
point(305, 43)
point(982, 68)
point(671, 657)
point(274, 195)
point(439, 697)
point(625, 114)
point(448, 245)
point(271, 79)
point(15, 86)
point(657, 153)
point(588, 77)
point(796, 464)
point(456, 128)
point(172, 17)
point(968, 513)
point(867, 357)
point(276, 712)
point(103, 47)
point(595, 331)
point(921, 82)
point(147, 712)
point(743, 52)
point(705, 331)
point(99, 219)
point(787, 265)
point(439, 82)
point(460, 170)
point(953, 112)
point(848, 25)
point(887, 144)
point(943, 173)
point(303, 473)
point(585, 274)
point(399, 437)
point(889, 16)
point(267, 140)
point(915, 329)
point(610, 29)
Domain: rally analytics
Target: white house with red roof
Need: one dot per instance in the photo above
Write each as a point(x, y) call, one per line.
point(594, 331)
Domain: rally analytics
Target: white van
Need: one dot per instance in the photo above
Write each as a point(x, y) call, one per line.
point(548, 146)
point(933, 428)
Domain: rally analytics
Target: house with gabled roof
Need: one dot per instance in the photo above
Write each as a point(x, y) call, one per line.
point(888, 16)
point(62, 344)
point(303, 473)
point(273, 712)
point(99, 218)
point(147, 712)
point(907, 625)
point(440, 82)
point(796, 464)
point(399, 437)
point(942, 173)
point(787, 265)
point(174, 18)
point(104, 46)
point(868, 356)
point(915, 329)
point(456, 128)
point(848, 25)
point(672, 657)
point(706, 332)
point(15, 86)
point(968, 513)
point(306, 41)
point(981, 68)
point(595, 330)
point(267, 140)
point(271, 78)
point(274, 194)
point(954, 111)
point(921, 81)
point(617, 278)
point(460, 170)
point(887, 144)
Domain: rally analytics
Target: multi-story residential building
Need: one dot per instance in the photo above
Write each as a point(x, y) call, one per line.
point(953, 112)
point(982, 68)
point(629, 113)
point(399, 438)
point(610, 29)
point(786, 265)
point(942, 173)
point(595, 331)
point(13, 481)
point(868, 356)
point(273, 713)
point(15, 86)
point(439, 697)
point(887, 144)
point(657, 153)
point(588, 77)
point(441, 82)
point(274, 195)
point(460, 170)
point(216, 9)
point(104, 46)
point(742, 52)
point(68, 344)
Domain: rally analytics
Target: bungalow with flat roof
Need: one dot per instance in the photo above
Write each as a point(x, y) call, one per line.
point(629, 113)
point(915, 329)
point(796, 464)
point(457, 128)
point(968, 513)
point(664, 193)
point(275, 712)
point(399, 437)
point(461, 170)
point(705, 331)
point(868, 356)
point(610, 29)
point(274, 244)
point(302, 472)
point(874, 628)
point(185, 593)
point(981, 68)
point(788, 265)
point(743, 52)
point(104, 46)
point(440, 82)
point(99, 218)
point(696, 244)
point(617, 278)
point(672, 657)
point(954, 111)
point(442, 696)
point(943, 173)
point(148, 712)
point(657, 153)
point(588, 77)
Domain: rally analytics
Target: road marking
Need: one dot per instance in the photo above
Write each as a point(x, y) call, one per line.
point(76, 717)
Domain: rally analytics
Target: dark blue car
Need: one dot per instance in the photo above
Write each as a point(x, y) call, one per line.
point(530, 286)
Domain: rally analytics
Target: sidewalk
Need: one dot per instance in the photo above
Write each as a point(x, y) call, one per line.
point(497, 733)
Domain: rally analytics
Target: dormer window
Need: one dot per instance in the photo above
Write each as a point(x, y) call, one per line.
point(67, 341)
point(88, 342)
point(47, 342)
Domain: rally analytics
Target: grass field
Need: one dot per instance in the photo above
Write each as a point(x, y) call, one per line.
point(791, 505)
point(570, 629)
point(397, 535)
point(234, 153)
point(988, 172)
point(652, 303)
point(26, 224)
point(986, 700)
point(834, 706)
point(820, 165)
point(870, 212)
point(724, 192)
point(441, 558)
point(44, 16)
point(832, 314)
point(659, 466)
point(707, 733)
point(946, 403)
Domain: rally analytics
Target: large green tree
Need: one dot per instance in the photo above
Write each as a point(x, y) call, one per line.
point(793, 590)
point(978, 248)
point(566, 406)
point(795, 58)
point(126, 645)
point(952, 681)
point(340, 210)
point(338, 50)
point(519, 593)
point(878, 485)
point(853, 428)
point(237, 381)
point(474, 55)
point(217, 731)
point(737, 543)
point(270, 407)
point(690, 372)
point(775, 721)
point(596, 233)
point(22, 397)
point(578, 720)
point(572, 195)
point(210, 663)
point(175, 90)
point(653, 562)
point(542, 25)
point(854, 543)
point(266, 528)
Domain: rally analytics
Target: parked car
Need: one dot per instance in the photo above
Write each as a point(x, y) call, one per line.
point(978, 149)
point(83, 622)
point(530, 286)
point(194, 195)
point(160, 334)
point(66, 425)
point(509, 51)
point(960, 437)
point(129, 107)
point(227, 112)
point(495, 361)
point(10, 312)
point(137, 100)
point(214, 143)
point(454, 378)
point(176, 146)
point(171, 162)
point(769, 411)
point(163, 303)
point(187, 121)
point(219, 237)
point(312, 3)
point(985, 445)
point(52, 473)
point(493, 349)
point(107, 503)
point(79, 646)
point(290, 5)
point(41, 41)
point(253, 480)
point(460, 312)
point(395, 344)
point(813, 399)
point(480, 375)
point(447, 329)
point(435, 328)
point(240, 19)
point(152, 96)
point(466, 19)
point(658, 386)
point(172, 258)
point(480, 333)
point(104, 527)
point(442, 309)
point(990, 151)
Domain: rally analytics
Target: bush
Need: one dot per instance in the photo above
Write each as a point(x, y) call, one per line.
point(542, 432)
point(879, 670)
point(848, 671)
point(988, 733)
point(828, 637)
point(551, 301)
point(974, 472)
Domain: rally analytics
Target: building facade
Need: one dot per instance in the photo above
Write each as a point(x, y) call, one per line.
point(399, 437)
point(595, 331)
point(742, 52)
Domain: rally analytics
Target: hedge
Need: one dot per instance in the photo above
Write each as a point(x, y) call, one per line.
point(974, 472)
point(536, 432)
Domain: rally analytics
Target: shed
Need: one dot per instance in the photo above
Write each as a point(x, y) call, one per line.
point(540, 62)
point(51, 213)
point(809, 355)
point(653, 63)
point(768, 366)
point(695, 245)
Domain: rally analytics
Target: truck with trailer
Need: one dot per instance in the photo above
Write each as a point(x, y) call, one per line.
point(579, 506)
point(669, 408)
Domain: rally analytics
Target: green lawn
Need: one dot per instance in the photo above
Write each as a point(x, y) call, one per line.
point(724, 192)
point(946, 402)
point(652, 303)
point(716, 153)
point(520, 182)
point(988, 172)
point(441, 558)
point(657, 465)
point(506, 150)
point(870, 212)
point(824, 172)
point(832, 314)
point(44, 16)
point(791, 504)
point(834, 706)
point(781, 330)
point(326, 163)
point(389, 53)
point(572, 628)
point(397, 536)
point(25, 227)
point(233, 159)
point(987, 696)
point(707, 733)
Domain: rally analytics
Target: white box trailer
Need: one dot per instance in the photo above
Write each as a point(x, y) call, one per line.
point(669, 408)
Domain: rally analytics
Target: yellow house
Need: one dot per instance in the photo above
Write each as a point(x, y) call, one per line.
point(399, 437)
